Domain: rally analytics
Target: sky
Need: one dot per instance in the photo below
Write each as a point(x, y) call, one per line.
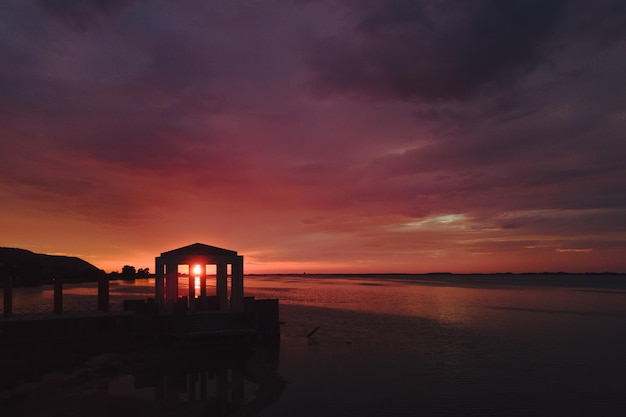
point(317, 136)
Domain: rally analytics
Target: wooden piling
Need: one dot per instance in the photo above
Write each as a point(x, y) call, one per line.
point(103, 294)
point(58, 295)
point(8, 296)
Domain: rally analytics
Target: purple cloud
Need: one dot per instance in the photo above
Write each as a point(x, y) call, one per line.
point(331, 124)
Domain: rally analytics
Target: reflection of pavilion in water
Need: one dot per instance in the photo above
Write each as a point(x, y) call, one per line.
point(205, 383)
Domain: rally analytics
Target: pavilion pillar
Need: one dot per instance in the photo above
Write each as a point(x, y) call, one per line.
point(8, 296)
point(192, 289)
point(159, 281)
point(171, 282)
point(221, 287)
point(103, 294)
point(203, 300)
point(203, 281)
point(236, 291)
point(58, 295)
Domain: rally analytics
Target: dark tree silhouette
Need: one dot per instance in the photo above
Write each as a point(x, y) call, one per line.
point(129, 272)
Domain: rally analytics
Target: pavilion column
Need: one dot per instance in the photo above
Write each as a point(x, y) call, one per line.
point(8, 296)
point(192, 289)
point(221, 287)
point(203, 301)
point(171, 282)
point(236, 292)
point(203, 281)
point(159, 284)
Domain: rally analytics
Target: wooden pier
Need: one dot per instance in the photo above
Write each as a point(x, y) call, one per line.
point(147, 319)
point(167, 315)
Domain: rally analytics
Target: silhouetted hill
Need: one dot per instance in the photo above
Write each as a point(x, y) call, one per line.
point(29, 268)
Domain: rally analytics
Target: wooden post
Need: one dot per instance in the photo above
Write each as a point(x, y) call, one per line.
point(58, 295)
point(8, 296)
point(103, 294)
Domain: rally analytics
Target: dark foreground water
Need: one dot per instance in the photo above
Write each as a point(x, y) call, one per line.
point(386, 346)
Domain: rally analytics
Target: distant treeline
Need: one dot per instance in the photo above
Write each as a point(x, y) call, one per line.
point(129, 272)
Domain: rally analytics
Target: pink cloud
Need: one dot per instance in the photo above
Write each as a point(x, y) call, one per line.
point(347, 136)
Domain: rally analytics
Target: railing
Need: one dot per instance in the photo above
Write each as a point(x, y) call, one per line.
point(45, 310)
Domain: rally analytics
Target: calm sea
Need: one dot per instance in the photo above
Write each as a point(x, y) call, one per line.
point(401, 345)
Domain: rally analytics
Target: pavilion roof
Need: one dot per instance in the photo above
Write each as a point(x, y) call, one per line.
point(199, 249)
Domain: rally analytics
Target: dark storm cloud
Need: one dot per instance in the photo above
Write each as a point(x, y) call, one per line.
point(432, 50)
point(559, 223)
point(512, 175)
point(80, 14)
point(116, 91)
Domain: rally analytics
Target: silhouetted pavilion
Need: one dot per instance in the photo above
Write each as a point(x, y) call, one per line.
point(166, 282)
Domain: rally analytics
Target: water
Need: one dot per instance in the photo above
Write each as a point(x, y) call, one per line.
point(429, 345)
